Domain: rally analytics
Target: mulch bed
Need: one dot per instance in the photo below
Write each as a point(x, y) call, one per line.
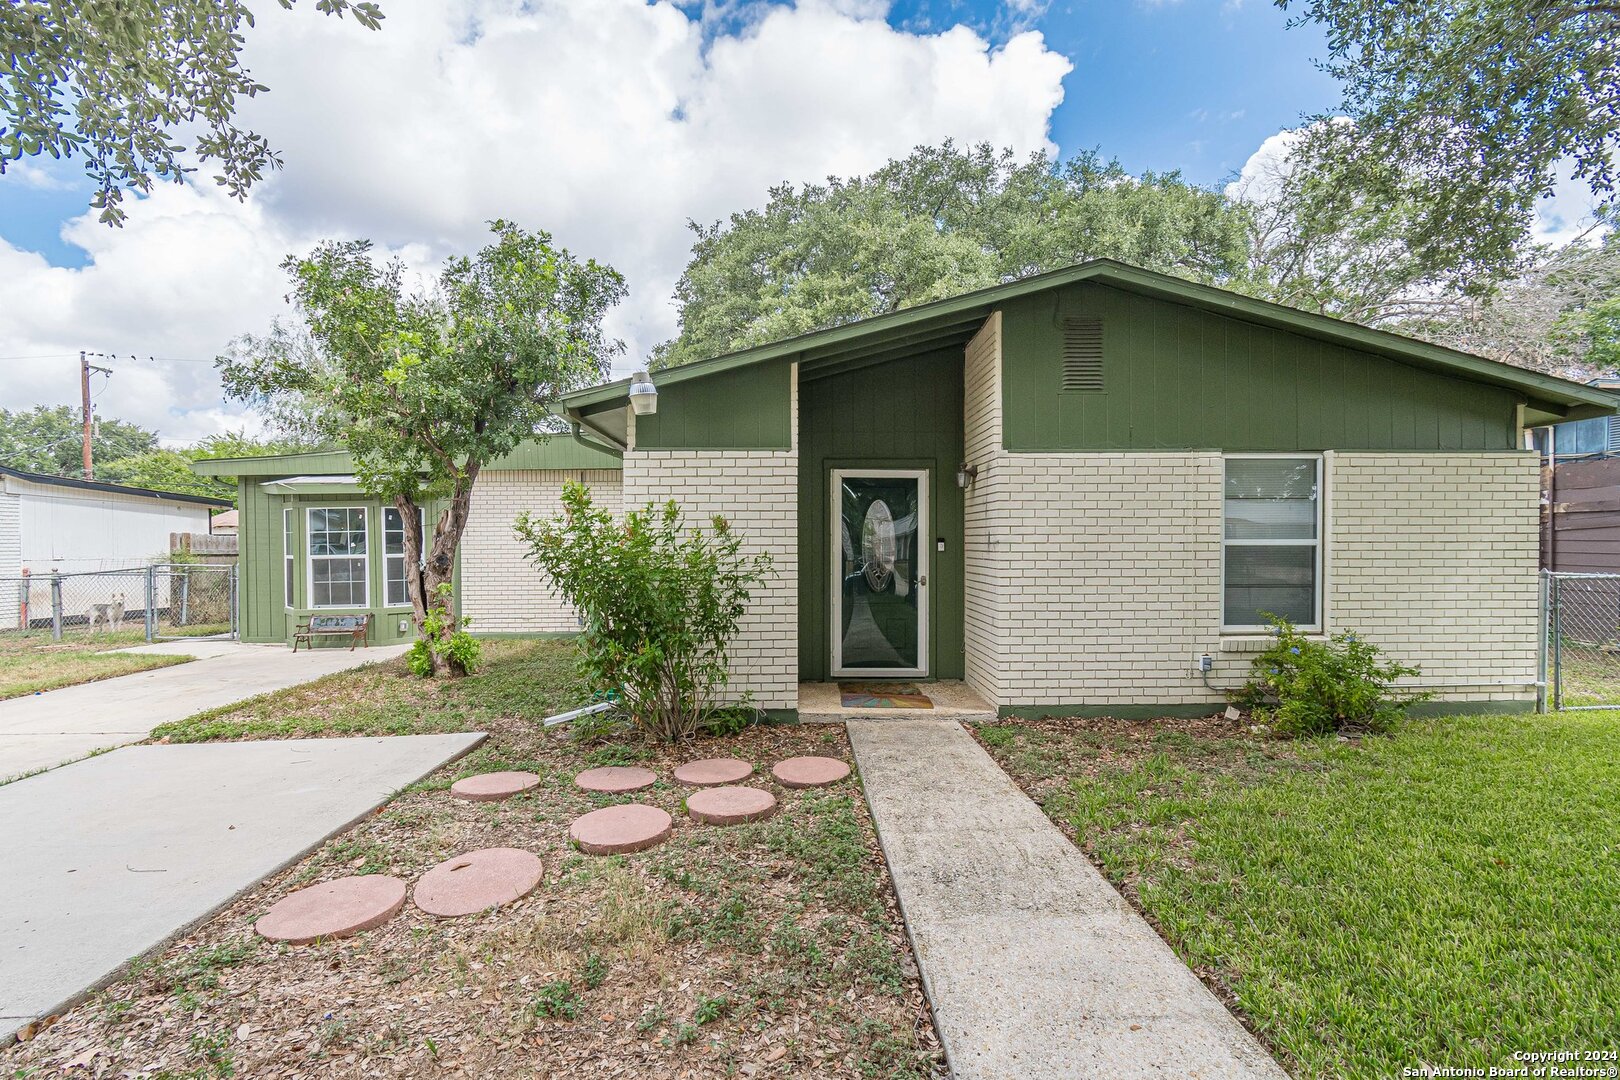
point(768, 949)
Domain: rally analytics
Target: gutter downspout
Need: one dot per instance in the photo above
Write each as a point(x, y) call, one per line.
point(576, 422)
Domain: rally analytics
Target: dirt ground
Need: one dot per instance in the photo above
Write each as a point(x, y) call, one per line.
point(768, 949)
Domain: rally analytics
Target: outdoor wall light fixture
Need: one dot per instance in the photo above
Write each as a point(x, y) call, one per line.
point(643, 394)
point(966, 474)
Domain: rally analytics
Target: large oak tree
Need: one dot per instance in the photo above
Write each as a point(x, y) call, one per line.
point(120, 82)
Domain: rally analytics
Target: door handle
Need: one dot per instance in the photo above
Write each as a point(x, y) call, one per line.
point(923, 580)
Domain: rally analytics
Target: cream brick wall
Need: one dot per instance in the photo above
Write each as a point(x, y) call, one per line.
point(985, 641)
point(1094, 578)
point(500, 590)
point(757, 492)
point(1434, 558)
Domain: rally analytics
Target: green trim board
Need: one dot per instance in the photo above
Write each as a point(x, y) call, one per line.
point(1173, 376)
point(850, 421)
point(951, 322)
point(1193, 710)
point(558, 451)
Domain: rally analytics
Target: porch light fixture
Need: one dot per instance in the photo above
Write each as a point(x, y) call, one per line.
point(966, 474)
point(643, 394)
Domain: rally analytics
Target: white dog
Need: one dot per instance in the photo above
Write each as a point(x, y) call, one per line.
point(110, 615)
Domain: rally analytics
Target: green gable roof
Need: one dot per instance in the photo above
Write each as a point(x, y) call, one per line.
point(953, 321)
point(556, 452)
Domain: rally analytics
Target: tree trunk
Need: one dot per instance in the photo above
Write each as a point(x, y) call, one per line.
point(424, 577)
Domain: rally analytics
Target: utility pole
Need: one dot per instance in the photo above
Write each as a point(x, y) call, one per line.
point(85, 368)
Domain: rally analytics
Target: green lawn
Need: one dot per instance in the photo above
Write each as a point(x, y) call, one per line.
point(1448, 895)
point(30, 661)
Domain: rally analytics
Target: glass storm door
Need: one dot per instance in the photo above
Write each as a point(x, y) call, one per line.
point(880, 572)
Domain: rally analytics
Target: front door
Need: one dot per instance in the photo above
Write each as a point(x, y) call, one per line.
point(880, 572)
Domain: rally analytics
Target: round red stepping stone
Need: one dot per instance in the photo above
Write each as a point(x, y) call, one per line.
point(730, 805)
point(616, 779)
point(493, 786)
point(333, 909)
point(477, 880)
point(618, 830)
point(803, 772)
point(720, 770)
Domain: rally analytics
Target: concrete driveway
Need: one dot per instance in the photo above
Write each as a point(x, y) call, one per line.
point(49, 729)
point(108, 858)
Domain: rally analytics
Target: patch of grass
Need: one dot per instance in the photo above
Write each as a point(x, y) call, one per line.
point(30, 662)
point(1444, 894)
point(523, 677)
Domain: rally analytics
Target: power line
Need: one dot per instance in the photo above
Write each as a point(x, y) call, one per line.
point(114, 356)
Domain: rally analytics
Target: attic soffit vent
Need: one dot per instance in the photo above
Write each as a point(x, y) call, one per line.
point(1082, 355)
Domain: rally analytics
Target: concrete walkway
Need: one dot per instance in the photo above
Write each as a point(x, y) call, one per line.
point(108, 858)
point(46, 730)
point(1035, 966)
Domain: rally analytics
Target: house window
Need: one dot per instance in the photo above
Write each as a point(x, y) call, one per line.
point(289, 571)
point(338, 566)
point(1271, 563)
point(395, 592)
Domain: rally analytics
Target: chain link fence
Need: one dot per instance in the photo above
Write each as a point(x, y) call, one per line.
point(1581, 646)
point(153, 603)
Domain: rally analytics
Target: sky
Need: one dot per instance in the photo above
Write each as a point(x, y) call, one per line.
point(611, 124)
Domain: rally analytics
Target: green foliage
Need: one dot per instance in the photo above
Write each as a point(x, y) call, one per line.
point(121, 83)
point(48, 438)
point(424, 387)
point(1464, 113)
point(442, 644)
point(165, 470)
point(942, 221)
point(660, 603)
point(557, 1000)
point(1306, 686)
point(710, 1009)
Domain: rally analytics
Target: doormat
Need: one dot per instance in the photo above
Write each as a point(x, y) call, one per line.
point(881, 695)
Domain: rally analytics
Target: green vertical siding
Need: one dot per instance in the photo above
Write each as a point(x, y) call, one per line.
point(264, 614)
point(1178, 377)
point(746, 409)
point(258, 542)
point(905, 414)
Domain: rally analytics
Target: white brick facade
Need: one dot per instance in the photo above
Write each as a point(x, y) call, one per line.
point(1093, 579)
point(500, 590)
point(757, 492)
point(1434, 558)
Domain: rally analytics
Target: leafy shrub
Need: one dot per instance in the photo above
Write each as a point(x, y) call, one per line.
point(1308, 686)
point(660, 604)
point(458, 649)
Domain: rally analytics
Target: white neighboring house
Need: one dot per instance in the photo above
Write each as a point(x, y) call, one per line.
point(60, 524)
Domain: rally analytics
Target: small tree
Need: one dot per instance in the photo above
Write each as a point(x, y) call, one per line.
point(660, 603)
point(424, 388)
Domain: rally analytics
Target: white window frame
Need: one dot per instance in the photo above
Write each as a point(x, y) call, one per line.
point(289, 561)
point(421, 519)
point(310, 557)
point(924, 547)
point(1320, 543)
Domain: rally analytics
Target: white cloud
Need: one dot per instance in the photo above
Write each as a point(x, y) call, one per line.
point(609, 124)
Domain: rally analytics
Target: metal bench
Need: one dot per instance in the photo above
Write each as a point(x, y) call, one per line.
point(354, 627)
